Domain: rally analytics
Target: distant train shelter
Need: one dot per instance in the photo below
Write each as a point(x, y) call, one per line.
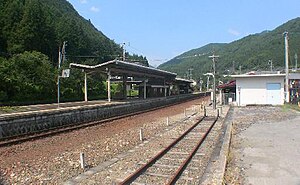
point(150, 82)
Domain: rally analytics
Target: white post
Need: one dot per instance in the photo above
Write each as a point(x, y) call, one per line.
point(108, 86)
point(85, 87)
point(141, 135)
point(167, 121)
point(82, 161)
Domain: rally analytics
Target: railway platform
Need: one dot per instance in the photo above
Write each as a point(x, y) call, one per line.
point(39, 118)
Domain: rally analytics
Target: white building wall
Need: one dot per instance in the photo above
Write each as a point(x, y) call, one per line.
point(253, 90)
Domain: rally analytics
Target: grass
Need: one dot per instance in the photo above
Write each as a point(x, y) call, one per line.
point(286, 107)
point(8, 109)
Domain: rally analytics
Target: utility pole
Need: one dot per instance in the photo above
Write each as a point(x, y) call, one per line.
point(124, 51)
point(271, 65)
point(233, 67)
point(296, 61)
point(286, 44)
point(61, 59)
point(190, 75)
point(214, 57)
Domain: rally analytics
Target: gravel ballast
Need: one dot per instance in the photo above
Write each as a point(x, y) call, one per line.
point(54, 160)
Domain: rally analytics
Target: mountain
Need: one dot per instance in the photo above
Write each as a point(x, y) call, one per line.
point(42, 25)
point(252, 52)
point(31, 32)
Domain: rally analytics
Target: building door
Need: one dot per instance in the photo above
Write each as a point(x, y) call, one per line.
point(273, 93)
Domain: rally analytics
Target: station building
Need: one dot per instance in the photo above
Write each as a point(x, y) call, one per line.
point(259, 89)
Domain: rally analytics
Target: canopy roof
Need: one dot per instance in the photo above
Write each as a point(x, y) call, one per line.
point(230, 84)
point(117, 68)
point(182, 80)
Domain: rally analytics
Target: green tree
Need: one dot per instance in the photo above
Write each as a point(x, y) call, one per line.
point(33, 30)
point(27, 77)
point(10, 16)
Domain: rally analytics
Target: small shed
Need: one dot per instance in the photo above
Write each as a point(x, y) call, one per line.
point(262, 89)
point(227, 92)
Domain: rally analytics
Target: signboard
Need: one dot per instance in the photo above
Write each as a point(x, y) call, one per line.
point(65, 73)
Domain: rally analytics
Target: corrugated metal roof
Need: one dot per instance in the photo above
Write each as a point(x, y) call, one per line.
point(183, 80)
point(118, 67)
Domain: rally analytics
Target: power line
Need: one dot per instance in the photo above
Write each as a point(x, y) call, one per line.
point(192, 56)
point(142, 53)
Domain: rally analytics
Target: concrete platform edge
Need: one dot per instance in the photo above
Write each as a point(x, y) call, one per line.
point(216, 169)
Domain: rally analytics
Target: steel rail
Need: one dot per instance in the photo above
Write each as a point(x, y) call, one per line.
point(63, 129)
point(179, 171)
point(143, 168)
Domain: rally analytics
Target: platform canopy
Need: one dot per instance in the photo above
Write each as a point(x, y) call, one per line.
point(117, 68)
point(184, 81)
point(138, 73)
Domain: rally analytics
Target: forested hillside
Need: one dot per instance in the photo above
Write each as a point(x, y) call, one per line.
point(251, 53)
point(31, 32)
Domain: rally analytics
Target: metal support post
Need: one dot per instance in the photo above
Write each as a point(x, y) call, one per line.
point(145, 89)
point(58, 91)
point(108, 86)
point(58, 87)
point(165, 88)
point(124, 87)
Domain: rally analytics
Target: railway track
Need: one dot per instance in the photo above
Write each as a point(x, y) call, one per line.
point(7, 141)
point(174, 164)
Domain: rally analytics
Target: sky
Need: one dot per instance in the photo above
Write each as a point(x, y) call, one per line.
point(163, 29)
